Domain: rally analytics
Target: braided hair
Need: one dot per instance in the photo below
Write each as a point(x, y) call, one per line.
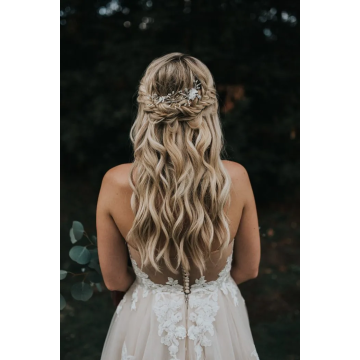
point(181, 186)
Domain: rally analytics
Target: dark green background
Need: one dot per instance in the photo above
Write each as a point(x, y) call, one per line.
point(252, 49)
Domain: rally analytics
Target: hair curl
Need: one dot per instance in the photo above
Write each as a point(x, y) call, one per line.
point(182, 186)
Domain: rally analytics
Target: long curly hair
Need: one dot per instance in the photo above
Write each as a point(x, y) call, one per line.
point(180, 185)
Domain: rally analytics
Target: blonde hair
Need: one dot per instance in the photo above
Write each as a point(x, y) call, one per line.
point(182, 186)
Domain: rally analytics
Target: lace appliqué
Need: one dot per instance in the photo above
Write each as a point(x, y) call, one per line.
point(147, 285)
point(255, 354)
point(120, 306)
point(166, 308)
point(205, 309)
point(124, 354)
point(134, 299)
point(204, 301)
point(226, 282)
point(168, 315)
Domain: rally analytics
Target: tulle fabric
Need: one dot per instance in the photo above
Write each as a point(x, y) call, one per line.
point(154, 321)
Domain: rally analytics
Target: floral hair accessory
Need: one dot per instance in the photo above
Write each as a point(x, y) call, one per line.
point(179, 96)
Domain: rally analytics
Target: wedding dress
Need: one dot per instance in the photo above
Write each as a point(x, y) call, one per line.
point(156, 321)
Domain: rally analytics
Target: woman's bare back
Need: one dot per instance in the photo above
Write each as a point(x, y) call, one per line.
point(241, 211)
point(212, 320)
point(124, 217)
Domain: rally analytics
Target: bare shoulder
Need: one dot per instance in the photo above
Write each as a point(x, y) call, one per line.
point(115, 188)
point(241, 189)
point(236, 171)
point(118, 176)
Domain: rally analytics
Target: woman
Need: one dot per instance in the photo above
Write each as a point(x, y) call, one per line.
point(188, 220)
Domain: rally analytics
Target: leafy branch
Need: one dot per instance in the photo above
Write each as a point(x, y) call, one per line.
point(82, 255)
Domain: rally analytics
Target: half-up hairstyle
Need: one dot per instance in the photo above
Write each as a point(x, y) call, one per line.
point(181, 186)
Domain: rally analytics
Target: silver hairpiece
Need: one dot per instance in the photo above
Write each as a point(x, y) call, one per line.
point(176, 97)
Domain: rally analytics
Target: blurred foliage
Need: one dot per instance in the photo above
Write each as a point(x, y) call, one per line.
point(252, 49)
point(88, 257)
point(102, 62)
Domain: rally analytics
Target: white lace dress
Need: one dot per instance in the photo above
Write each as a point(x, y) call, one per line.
point(155, 322)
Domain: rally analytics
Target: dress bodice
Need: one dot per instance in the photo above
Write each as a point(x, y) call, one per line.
point(214, 267)
point(200, 324)
point(169, 297)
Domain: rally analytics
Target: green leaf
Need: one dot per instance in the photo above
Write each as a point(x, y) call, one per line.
point(63, 274)
point(81, 291)
point(72, 236)
point(94, 239)
point(78, 229)
point(80, 254)
point(98, 286)
point(94, 264)
point(94, 277)
point(62, 302)
point(94, 254)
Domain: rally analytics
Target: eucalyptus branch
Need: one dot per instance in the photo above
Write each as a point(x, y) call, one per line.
point(82, 274)
point(82, 255)
point(87, 236)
